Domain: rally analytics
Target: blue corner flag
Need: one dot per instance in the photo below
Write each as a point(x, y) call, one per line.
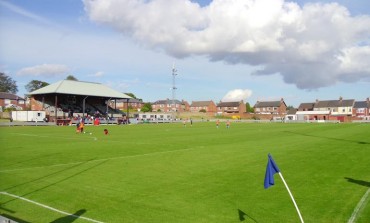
point(271, 169)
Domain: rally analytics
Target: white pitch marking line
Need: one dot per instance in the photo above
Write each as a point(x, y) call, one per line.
point(359, 207)
point(97, 160)
point(48, 207)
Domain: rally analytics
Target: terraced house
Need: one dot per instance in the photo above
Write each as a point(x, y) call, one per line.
point(338, 108)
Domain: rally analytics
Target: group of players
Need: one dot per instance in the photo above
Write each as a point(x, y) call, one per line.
point(81, 125)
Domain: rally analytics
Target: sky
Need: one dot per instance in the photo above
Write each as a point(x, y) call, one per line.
point(222, 50)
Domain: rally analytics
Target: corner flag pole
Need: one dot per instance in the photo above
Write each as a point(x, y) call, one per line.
point(291, 196)
point(271, 169)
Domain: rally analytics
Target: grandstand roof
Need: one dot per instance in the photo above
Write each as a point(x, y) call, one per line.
point(80, 88)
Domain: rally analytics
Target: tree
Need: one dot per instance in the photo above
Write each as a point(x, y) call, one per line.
point(71, 78)
point(7, 84)
point(133, 96)
point(147, 107)
point(35, 84)
point(249, 108)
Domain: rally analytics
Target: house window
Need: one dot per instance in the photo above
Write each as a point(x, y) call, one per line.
point(343, 110)
point(7, 101)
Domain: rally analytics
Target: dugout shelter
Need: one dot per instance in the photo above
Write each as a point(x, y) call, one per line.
point(68, 97)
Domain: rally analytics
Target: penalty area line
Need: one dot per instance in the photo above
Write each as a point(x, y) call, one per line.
point(359, 206)
point(48, 207)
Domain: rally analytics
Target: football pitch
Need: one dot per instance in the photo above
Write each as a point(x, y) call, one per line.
point(170, 173)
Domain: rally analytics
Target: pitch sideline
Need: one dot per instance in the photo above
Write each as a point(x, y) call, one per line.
point(48, 207)
point(359, 207)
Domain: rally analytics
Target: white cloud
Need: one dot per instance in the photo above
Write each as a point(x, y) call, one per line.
point(45, 70)
point(313, 46)
point(237, 95)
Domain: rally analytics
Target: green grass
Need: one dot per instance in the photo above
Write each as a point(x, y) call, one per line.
point(168, 173)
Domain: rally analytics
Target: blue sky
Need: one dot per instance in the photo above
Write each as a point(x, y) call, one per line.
point(223, 50)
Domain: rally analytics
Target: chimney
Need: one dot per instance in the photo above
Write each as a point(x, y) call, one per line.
point(340, 98)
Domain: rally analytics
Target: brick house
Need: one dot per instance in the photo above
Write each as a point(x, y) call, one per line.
point(236, 107)
point(270, 107)
point(132, 103)
point(170, 105)
point(12, 100)
point(208, 106)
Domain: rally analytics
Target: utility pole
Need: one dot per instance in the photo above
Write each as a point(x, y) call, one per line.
point(174, 74)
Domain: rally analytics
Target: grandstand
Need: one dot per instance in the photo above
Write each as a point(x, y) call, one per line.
point(67, 99)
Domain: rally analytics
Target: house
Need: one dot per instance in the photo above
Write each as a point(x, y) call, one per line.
point(291, 115)
point(236, 107)
point(170, 105)
point(338, 108)
point(306, 106)
point(306, 112)
point(270, 107)
point(361, 109)
point(207, 106)
point(131, 103)
point(9, 100)
point(328, 109)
